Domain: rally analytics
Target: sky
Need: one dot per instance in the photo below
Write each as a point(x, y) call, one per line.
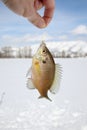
point(68, 24)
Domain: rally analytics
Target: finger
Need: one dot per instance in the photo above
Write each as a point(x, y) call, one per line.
point(37, 20)
point(38, 4)
point(49, 10)
point(14, 6)
point(4, 1)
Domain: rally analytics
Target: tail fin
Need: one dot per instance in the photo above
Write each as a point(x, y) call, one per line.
point(45, 97)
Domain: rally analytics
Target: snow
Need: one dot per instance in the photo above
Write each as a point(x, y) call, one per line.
point(20, 108)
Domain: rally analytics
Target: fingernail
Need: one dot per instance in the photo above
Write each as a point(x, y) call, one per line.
point(41, 24)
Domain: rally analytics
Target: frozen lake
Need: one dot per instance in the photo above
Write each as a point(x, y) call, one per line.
point(20, 108)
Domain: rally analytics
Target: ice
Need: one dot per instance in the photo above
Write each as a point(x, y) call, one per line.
point(20, 107)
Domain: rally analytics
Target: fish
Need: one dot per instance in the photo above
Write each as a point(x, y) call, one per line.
point(44, 74)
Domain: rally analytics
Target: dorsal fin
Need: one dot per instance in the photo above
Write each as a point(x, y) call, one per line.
point(56, 83)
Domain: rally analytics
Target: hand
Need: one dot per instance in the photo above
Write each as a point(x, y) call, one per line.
point(29, 8)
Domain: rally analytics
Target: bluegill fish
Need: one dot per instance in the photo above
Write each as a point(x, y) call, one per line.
point(45, 74)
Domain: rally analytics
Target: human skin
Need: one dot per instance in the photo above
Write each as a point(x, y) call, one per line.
point(29, 8)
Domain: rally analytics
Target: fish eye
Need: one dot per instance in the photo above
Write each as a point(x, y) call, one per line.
point(44, 51)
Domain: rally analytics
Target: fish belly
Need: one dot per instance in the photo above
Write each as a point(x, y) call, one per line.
point(43, 82)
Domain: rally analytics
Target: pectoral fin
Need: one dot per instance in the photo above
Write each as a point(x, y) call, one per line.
point(30, 84)
point(28, 72)
point(56, 83)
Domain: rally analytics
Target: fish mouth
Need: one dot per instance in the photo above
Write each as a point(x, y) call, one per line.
point(42, 44)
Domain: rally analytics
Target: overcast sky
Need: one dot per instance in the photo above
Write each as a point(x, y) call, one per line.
point(69, 24)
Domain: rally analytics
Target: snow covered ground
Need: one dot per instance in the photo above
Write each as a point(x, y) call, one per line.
point(20, 108)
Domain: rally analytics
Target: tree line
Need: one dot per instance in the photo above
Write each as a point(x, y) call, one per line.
point(26, 52)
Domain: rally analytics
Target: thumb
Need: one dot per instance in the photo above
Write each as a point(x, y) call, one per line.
point(37, 20)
